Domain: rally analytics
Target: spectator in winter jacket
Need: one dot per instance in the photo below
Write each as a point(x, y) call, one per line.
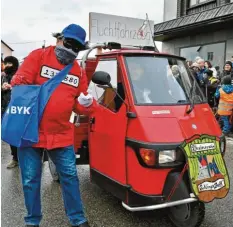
point(195, 68)
point(218, 71)
point(225, 107)
point(197, 59)
point(175, 84)
point(3, 74)
point(227, 71)
point(200, 75)
point(55, 131)
point(2, 65)
point(211, 80)
point(11, 65)
point(189, 63)
point(208, 65)
point(211, 85)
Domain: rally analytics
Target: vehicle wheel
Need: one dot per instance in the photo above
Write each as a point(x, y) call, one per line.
point(53, 170)
point(191, 214)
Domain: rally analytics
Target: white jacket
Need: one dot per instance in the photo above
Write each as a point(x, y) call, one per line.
point(214, 72)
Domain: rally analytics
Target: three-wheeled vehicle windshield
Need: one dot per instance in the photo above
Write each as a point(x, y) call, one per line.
point(157, 80)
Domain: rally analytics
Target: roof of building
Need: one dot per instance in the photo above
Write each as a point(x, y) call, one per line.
point(6, 45)
point(215, 15)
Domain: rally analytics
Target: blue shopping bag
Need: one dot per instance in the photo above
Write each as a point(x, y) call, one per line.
point(20, 123)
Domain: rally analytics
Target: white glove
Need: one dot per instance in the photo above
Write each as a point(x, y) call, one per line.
point(6, 86)
point(146, 94)
point(85, 100)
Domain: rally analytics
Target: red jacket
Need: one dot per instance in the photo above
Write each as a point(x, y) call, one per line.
point(55, 129)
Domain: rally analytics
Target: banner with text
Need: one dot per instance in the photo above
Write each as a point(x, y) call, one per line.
point(124, 30)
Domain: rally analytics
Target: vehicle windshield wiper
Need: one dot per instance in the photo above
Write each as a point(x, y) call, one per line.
point(192, 90)
point(182, 101)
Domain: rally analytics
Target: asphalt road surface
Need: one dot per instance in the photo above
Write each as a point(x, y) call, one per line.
point(102, 209)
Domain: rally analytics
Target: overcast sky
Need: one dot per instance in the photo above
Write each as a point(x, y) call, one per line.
point(35, 20)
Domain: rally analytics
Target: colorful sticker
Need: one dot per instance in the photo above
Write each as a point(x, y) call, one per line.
point(207, 170)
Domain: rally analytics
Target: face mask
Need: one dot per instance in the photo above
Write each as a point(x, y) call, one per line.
point(9, 69)
point(65, 56)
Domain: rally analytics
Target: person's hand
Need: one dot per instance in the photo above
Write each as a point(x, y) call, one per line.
point(6, 86)
point(146, 94)
point(85, 100)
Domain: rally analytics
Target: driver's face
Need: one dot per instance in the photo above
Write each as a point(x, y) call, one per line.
point(137, 72)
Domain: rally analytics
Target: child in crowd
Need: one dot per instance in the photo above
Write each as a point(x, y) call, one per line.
point(225, 107)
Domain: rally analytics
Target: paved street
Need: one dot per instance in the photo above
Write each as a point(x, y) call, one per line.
point(102, 209)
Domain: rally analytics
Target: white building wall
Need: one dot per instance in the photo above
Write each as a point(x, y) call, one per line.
point(170, 10)
point(5, 51)
point(222, 37)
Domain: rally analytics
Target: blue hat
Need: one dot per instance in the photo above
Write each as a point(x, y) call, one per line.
point(76, 32)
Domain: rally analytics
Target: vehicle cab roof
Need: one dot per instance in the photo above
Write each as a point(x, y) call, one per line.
point(136, 52)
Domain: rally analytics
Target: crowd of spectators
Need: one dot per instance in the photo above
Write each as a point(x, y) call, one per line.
point(217, 86)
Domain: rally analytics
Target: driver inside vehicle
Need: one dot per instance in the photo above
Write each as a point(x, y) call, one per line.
point(142, 91)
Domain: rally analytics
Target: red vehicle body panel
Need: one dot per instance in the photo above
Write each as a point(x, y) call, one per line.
point(115, 160)
point(107, 138)
point(81, 132)
point(173, 127)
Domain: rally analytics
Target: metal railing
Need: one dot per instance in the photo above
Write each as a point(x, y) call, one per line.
point(110, 46)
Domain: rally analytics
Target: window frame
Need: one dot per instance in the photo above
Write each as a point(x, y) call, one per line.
point(210, 56)
point(117, 68)
point(190, 75)
point(198, 3)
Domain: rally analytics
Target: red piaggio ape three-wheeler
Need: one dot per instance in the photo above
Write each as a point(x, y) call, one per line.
point(153, 142)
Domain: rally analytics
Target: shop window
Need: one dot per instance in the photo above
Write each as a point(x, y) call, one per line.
point(193, 2)
point(196, 2)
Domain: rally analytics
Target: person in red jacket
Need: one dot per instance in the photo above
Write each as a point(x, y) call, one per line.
point(55, 131)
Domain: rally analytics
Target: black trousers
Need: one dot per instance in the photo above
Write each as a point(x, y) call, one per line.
point(14, 153)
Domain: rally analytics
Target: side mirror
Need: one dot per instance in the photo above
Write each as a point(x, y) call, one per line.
point(101, 78)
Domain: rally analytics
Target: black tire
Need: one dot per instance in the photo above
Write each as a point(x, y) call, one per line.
point(187, 215)
point(53, 170)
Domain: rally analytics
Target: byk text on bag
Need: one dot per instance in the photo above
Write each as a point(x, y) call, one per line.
point(20, 123)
